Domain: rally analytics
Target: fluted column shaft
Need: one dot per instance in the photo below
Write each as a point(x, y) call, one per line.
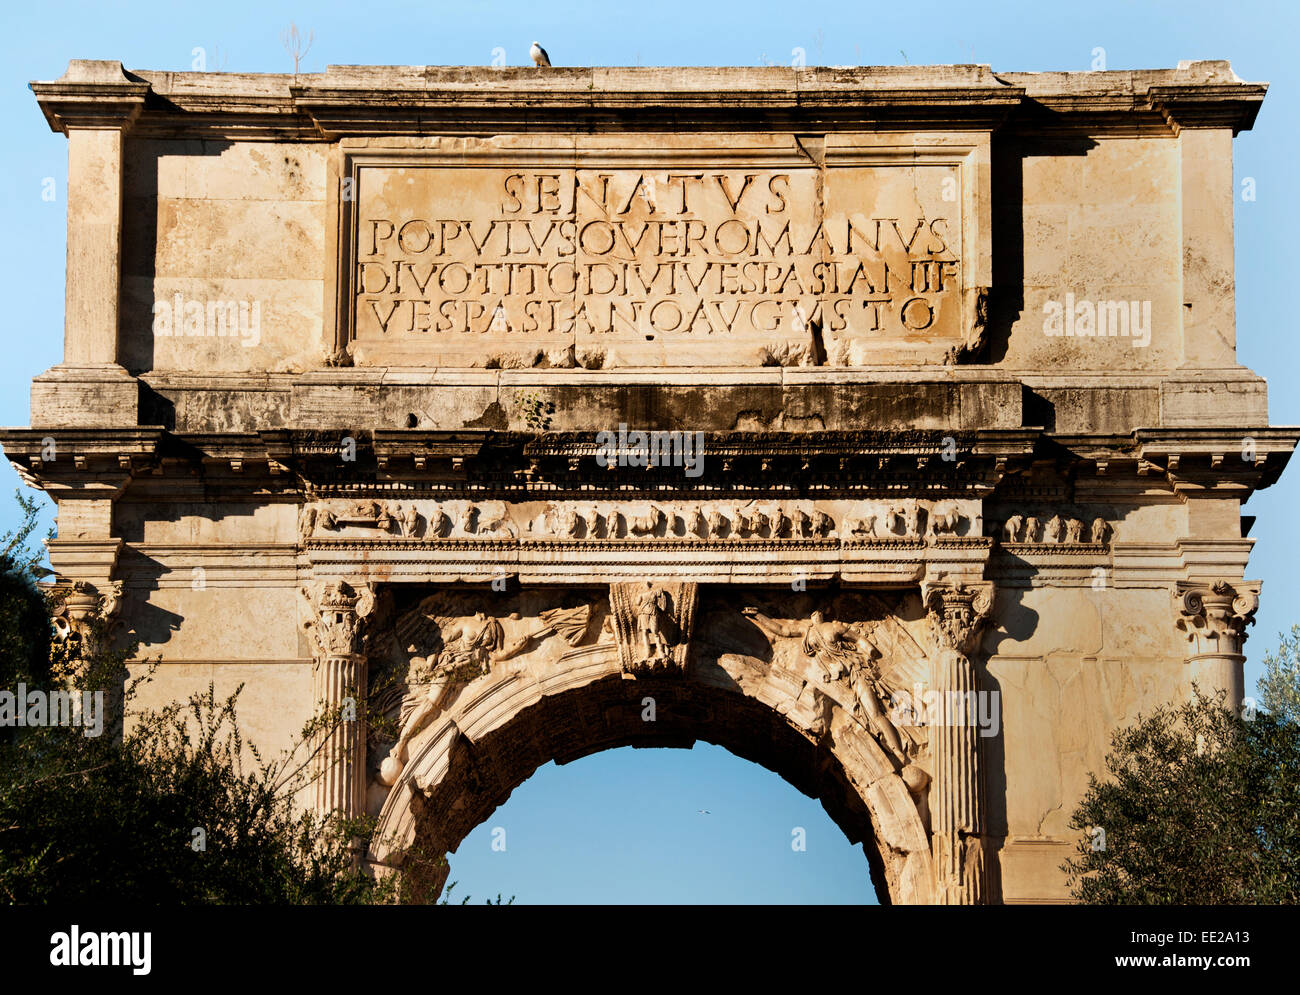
point(957, 612)
point(339, 678)
point(340, 758)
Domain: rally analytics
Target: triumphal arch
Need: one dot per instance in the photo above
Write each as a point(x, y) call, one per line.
point(882, 425)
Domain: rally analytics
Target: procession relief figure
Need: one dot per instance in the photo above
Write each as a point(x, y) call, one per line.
point(410, 522)
point(896, 522)
point(1055, 531)
point(946, 522)
point(717, 522)
point(563, 521)
point(919, 522)
point(864, 526)
point(780, 523)
point(803, 523)
point(439, 524)
point(494, 521)
point(644, 525)
point(843, 650)
point(696, 525)
point(754, 523)
point(306, 524)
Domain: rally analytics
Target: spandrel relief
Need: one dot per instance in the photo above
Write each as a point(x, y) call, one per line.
point(449, 639)
point(855, 651)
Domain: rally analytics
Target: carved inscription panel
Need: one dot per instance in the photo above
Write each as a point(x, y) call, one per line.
point(796, 264)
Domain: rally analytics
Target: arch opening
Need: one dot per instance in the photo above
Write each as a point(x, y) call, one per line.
point(494, 733)
point(608, 714)
point(657, 826)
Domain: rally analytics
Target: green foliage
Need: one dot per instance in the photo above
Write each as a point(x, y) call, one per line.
point(173, 808)
point(25, 636)
point(1279, 688)
point(18, 552)
point(446, 898)
point(165, 816)
point(1200, 806)
point(535, 412)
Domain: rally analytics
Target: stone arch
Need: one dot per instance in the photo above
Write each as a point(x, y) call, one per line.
point(499, 729)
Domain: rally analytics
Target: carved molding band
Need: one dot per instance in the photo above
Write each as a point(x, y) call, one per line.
point(459, 520)
point(1036, 530)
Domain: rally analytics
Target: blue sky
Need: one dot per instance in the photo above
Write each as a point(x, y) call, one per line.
point(624, 825)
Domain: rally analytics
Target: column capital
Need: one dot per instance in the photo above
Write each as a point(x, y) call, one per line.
point(957, 612)
point(1214, 615)
point(87, 613)
point(337, 622)
point(79, 601)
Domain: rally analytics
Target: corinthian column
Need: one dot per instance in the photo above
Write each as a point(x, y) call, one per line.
point(957, 613)
point(1214, 617)
point(337, 630)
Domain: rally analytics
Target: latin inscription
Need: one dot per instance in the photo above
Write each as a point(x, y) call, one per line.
point(720, 267)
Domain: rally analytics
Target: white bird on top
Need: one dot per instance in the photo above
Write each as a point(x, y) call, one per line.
point(539, 55)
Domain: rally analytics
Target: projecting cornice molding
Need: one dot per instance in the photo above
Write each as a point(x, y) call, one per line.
point(1189, 462)
point(1203, 459)
point(92, 94)
point(378, 100)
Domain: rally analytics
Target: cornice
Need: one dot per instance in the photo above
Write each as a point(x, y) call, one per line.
point(419, 100)
point(92, 94)
point(1001, 465)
